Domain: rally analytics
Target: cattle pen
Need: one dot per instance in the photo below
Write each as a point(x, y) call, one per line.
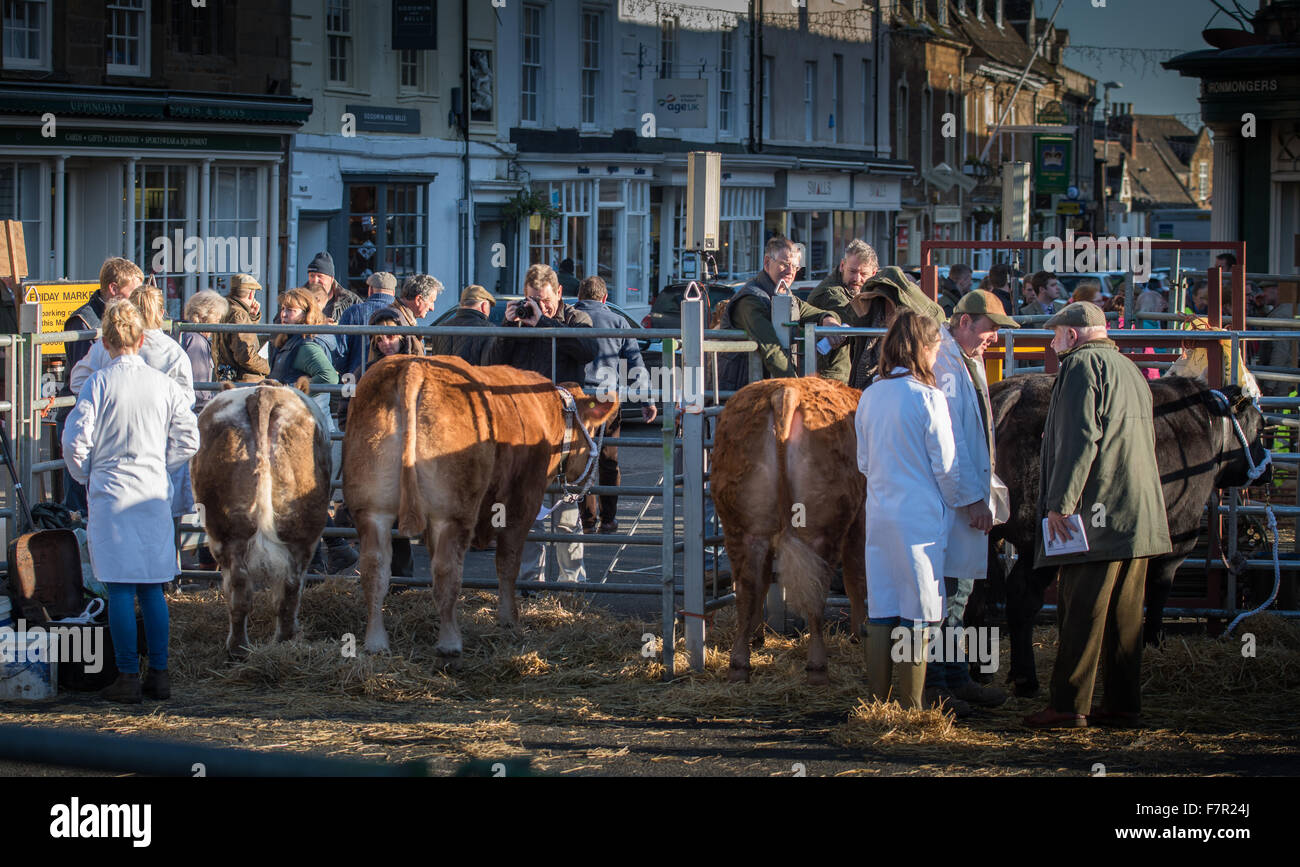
point(571, 657)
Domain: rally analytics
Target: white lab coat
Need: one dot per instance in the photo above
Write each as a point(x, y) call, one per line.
point(165, 356)
point(131, 428)
point(907, 453)
point(968, 549)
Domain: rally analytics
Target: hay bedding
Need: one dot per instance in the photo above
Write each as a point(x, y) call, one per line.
point(574, 669)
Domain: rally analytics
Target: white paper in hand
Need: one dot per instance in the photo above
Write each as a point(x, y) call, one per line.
point(1078, 544)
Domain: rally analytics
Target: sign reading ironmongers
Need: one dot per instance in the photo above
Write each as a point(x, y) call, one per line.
point(415, 25)
point(1053, 157)
point(682, 102)
point(374, 118)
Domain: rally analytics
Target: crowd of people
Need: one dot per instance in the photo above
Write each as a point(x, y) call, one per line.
point(925, 441)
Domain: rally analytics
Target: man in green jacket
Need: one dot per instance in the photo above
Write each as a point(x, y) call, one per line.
point(750, 308)
point(1098, 462)
point(835, 295)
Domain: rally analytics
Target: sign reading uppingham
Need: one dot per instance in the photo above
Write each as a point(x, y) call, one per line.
point(1053, 157)
point(58, 300)
point(682, 102)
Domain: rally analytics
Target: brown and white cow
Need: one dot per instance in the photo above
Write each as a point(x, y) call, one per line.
point(262, 475)
point(791, 500)
point(454, 454)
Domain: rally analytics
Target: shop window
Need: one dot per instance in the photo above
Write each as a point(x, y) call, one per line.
point(163, 208)
point(235, 208)
point(385, 226)
point(552, 241)
point(20, 199)
point(127, 46)
point(27, 34)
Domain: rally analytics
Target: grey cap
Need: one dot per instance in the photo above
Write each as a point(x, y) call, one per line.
point(383, 281)
point(1080, 314)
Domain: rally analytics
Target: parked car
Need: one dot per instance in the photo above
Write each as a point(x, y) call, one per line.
point(666, 311)
point(651, 350)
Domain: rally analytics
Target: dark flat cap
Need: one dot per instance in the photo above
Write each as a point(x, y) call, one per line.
point(1080, 314)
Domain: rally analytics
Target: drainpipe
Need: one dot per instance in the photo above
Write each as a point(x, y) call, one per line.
point(464, 269)
point(755, 64)
point(875, 80)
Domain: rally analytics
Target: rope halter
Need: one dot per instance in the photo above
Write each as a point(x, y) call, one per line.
point(1255, 471)
point(574, 493)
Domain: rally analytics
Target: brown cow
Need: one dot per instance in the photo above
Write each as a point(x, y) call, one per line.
point(262, 475)
point(789, 495)
point(454, 453)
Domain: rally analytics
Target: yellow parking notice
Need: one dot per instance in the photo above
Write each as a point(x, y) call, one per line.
point(58, 301)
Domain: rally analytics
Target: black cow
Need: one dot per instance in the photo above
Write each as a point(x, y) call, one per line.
point(1197, 450)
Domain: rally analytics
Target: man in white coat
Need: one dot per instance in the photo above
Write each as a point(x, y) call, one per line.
point(959, 373)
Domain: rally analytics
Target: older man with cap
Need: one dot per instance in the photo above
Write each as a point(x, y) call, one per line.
point(383, 288)
point(237, 356)
point(959, 373)
point(1098, 463)
point(474, 311)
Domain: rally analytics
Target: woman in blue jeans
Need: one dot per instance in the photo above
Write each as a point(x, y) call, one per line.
point(131, 428)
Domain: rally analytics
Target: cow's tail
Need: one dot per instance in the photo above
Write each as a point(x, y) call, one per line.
point(410, 517)
point(267, 557)
point(803, 575)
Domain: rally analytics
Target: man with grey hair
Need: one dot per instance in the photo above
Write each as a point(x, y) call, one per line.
point(750, 309)
point(1098, 462)
point(835, 295)
point(418, 294)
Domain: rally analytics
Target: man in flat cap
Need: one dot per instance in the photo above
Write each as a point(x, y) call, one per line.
point(236, 356)
point(474, 311)
point(959, 373)
point(382, 287)
point(1098, 462)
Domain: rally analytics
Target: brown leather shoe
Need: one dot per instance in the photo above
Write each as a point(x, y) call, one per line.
point(126, 689)
point(157, 684)
point(984, 696)
point(1047, 718)
point(1114, 719)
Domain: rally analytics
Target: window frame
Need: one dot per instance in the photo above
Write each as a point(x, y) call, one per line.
point(140, 69)
point(726, 82)
point(810, 100)
point(765, 96)
point(590, 72)
point(837, 96)
point(340, 237)
point(901, 142)
point(868, 104)
point(669, 30)
point(346, 38)
point(537, 66)
point(44, 40)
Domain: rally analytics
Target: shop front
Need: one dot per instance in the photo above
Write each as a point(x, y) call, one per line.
point(823, 211)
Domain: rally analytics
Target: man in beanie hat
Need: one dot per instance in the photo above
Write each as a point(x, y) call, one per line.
point(1098, 462)
point(331, 295)
point(383, 292)
point(473, 312)
point(959, 372)
point(236, 356)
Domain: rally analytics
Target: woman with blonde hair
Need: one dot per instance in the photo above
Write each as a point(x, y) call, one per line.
point(908, 454)
point(131, 431)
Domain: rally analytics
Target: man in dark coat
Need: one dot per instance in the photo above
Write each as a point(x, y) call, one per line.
point(237, 355)
point(542, 308)
point(1098, 461)
point(750, 309)
point(332, 296)
point(473, 312)
point(568, 280)
point(954, 286)
point(383, 288)
point(835, 295)
point(603, 375)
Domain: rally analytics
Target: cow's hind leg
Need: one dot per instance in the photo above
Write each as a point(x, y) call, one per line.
point(854, 560)
point(447, 542)
point(510, 550)
point(748, 554)
point(375, 532)
point(288, 593)
point(1160, 581)
point(1025, 589)
point(239, 598)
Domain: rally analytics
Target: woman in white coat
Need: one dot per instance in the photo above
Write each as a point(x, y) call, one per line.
point(164, 355)
point(131, 428)
point(906, 451)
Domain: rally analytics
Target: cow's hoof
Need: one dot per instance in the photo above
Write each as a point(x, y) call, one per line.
point(236, 654)
point(818, 676)
point(449, 660)
point(738, 674)
point(1026, 688)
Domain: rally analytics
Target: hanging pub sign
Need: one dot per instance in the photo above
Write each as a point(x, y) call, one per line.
point(415, 25)
point(1053, 157)
point(1053, 114)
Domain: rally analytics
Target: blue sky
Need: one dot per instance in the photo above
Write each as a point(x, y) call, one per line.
point(1139, 24)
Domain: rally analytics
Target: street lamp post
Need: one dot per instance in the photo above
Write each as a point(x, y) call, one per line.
point(1105, 162)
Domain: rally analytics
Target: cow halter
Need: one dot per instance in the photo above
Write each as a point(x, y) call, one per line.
point(572, 493)
point(1255, 471)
